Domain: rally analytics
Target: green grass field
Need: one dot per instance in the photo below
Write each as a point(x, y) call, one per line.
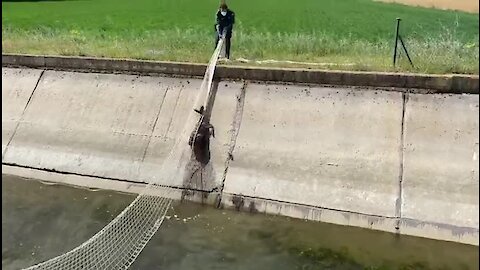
point(355, 34)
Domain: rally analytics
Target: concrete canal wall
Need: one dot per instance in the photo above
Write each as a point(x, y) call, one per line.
point(394, 160)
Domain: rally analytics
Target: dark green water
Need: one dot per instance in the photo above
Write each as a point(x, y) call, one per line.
point(42, 221)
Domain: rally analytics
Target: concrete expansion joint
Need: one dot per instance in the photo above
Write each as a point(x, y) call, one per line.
point(234, 131)
point(152, 130)
point(22, 116)
point(174, 111)
point(399, 201)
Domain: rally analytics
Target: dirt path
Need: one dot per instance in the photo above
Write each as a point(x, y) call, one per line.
point(463, 5)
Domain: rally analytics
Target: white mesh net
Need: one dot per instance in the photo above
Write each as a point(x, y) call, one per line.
point(119, 243)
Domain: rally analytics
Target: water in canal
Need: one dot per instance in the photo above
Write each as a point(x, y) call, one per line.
point(40, 221)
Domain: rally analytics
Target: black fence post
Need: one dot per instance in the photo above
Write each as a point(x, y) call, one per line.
point(405, 49)
point(396, 43)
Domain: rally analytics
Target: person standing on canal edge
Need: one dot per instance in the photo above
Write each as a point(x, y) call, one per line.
point(224, 26)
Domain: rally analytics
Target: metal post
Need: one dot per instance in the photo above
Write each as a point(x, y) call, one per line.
point(405, 49)
point(396, 42)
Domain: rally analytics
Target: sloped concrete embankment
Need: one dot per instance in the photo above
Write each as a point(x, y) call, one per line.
point(400, 162)
point(386, 160)
point(105, 126)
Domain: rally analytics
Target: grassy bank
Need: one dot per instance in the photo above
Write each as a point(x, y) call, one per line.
point(347, 34)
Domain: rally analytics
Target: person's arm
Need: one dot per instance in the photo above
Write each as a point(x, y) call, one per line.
point(232, 21)
point(217, 23)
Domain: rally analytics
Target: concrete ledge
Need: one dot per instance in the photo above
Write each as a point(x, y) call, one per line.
point(94, 183)
point(244, 203)
point(434, 83)
point(410, 227)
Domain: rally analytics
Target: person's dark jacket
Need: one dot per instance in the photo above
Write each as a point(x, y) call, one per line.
point(225, 23)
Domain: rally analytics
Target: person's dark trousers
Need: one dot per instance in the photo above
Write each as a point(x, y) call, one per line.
point(227, 45)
